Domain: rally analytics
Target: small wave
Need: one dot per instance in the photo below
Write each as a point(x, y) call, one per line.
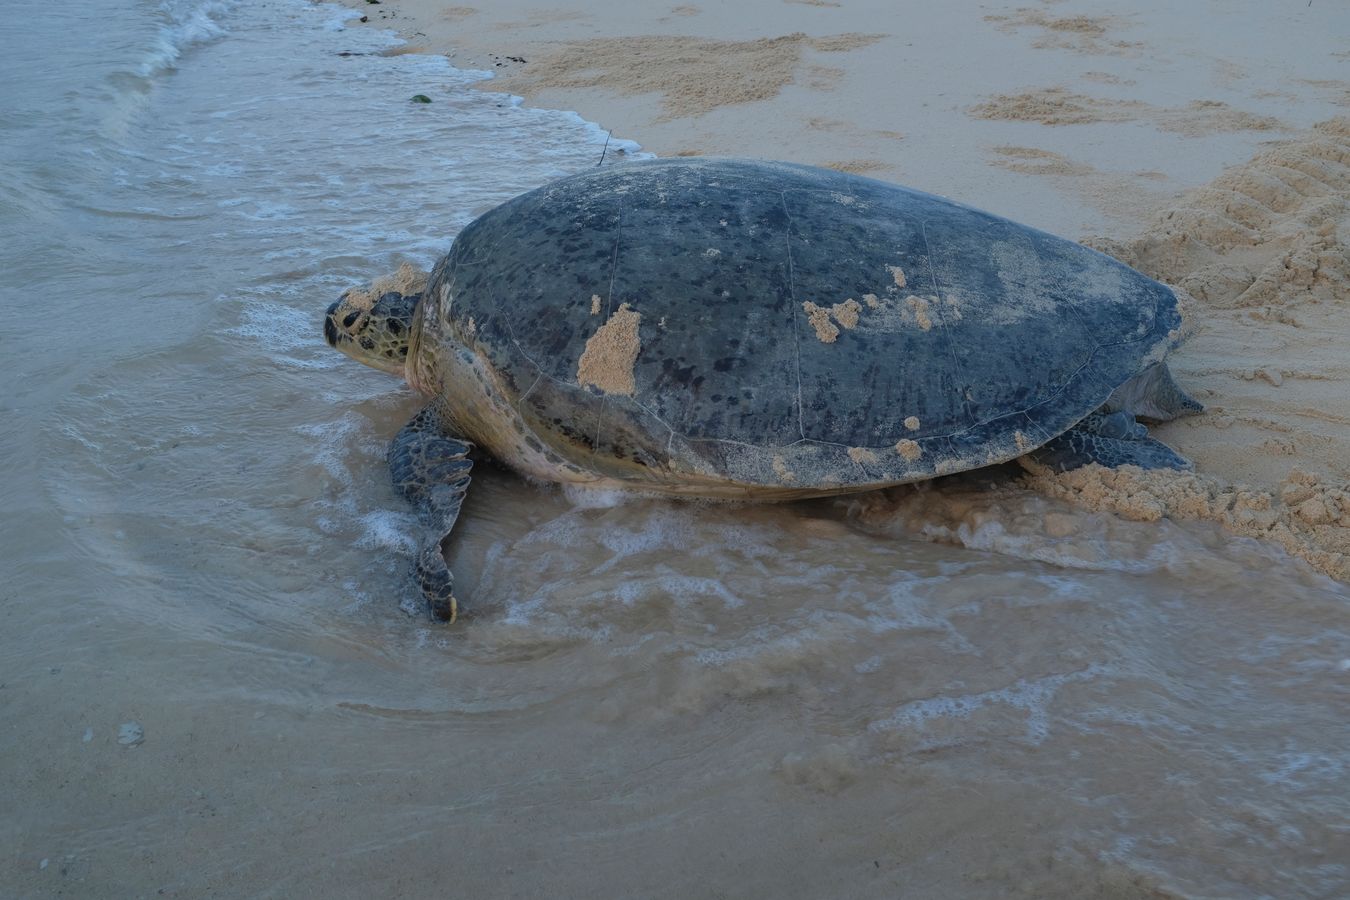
point(338, 17)
point(1031, 696)
point(332, 442)
point(187, 23)
point(287, 335)
point(584, 497)
point(1023, 525)
point(683, 589)
point(183, 24)
point(384, 529)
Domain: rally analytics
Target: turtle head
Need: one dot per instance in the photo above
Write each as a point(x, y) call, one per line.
point(375, 325)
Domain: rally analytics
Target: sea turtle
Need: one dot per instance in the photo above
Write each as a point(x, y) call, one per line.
point(755, 330)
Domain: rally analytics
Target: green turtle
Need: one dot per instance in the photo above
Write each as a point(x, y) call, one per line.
point(758, 331)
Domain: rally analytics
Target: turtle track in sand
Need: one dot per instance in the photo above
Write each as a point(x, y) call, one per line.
point(1267, 233)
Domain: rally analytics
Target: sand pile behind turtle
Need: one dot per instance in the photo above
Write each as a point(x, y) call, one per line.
point(1308, 516)
point(1265, 251)
point(1273, 232)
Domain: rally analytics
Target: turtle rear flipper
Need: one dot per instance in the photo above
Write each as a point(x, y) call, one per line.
point(431, 468)
point(1153, 395)
point(1108, 439)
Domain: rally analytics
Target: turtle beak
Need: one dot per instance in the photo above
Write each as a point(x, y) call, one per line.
point(330, 333)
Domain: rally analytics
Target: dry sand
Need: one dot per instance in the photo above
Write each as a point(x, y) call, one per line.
point(1209, 149)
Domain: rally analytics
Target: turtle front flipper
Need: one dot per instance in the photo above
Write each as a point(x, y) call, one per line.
point(1108, 439)
point(431, 468)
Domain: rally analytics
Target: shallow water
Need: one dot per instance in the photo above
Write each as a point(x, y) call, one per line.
point(966, 690)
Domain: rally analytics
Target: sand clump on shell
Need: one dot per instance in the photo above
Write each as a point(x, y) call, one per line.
point(611, 353)
point(827, 320)
point(818, 317)
point(1269, 239)
point(408, 279)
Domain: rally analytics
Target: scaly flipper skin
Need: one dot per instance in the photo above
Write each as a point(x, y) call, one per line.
point(431, 468)
point(1109, 439)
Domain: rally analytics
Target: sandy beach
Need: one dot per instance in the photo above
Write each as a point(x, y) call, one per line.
point(1208, 147)
point(219, 674)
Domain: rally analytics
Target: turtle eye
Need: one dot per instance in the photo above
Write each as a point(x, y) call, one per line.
point(351, 317)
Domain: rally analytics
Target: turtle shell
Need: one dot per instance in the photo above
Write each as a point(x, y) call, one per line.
point(776, 325)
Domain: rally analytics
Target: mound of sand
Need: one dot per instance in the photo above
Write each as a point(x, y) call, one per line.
point(1308, 516)
point(1262, 249)
point(1275, 231)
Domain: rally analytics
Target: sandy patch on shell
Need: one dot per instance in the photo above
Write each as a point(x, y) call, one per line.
point(408, 279)
point(919, 306)
point(846, 313)
point(910, 450)
point(861, 455)
point(826, 321)
point(819, 318)
point(611, 353)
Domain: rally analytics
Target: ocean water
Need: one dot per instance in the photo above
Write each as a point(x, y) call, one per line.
point(215, 675)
